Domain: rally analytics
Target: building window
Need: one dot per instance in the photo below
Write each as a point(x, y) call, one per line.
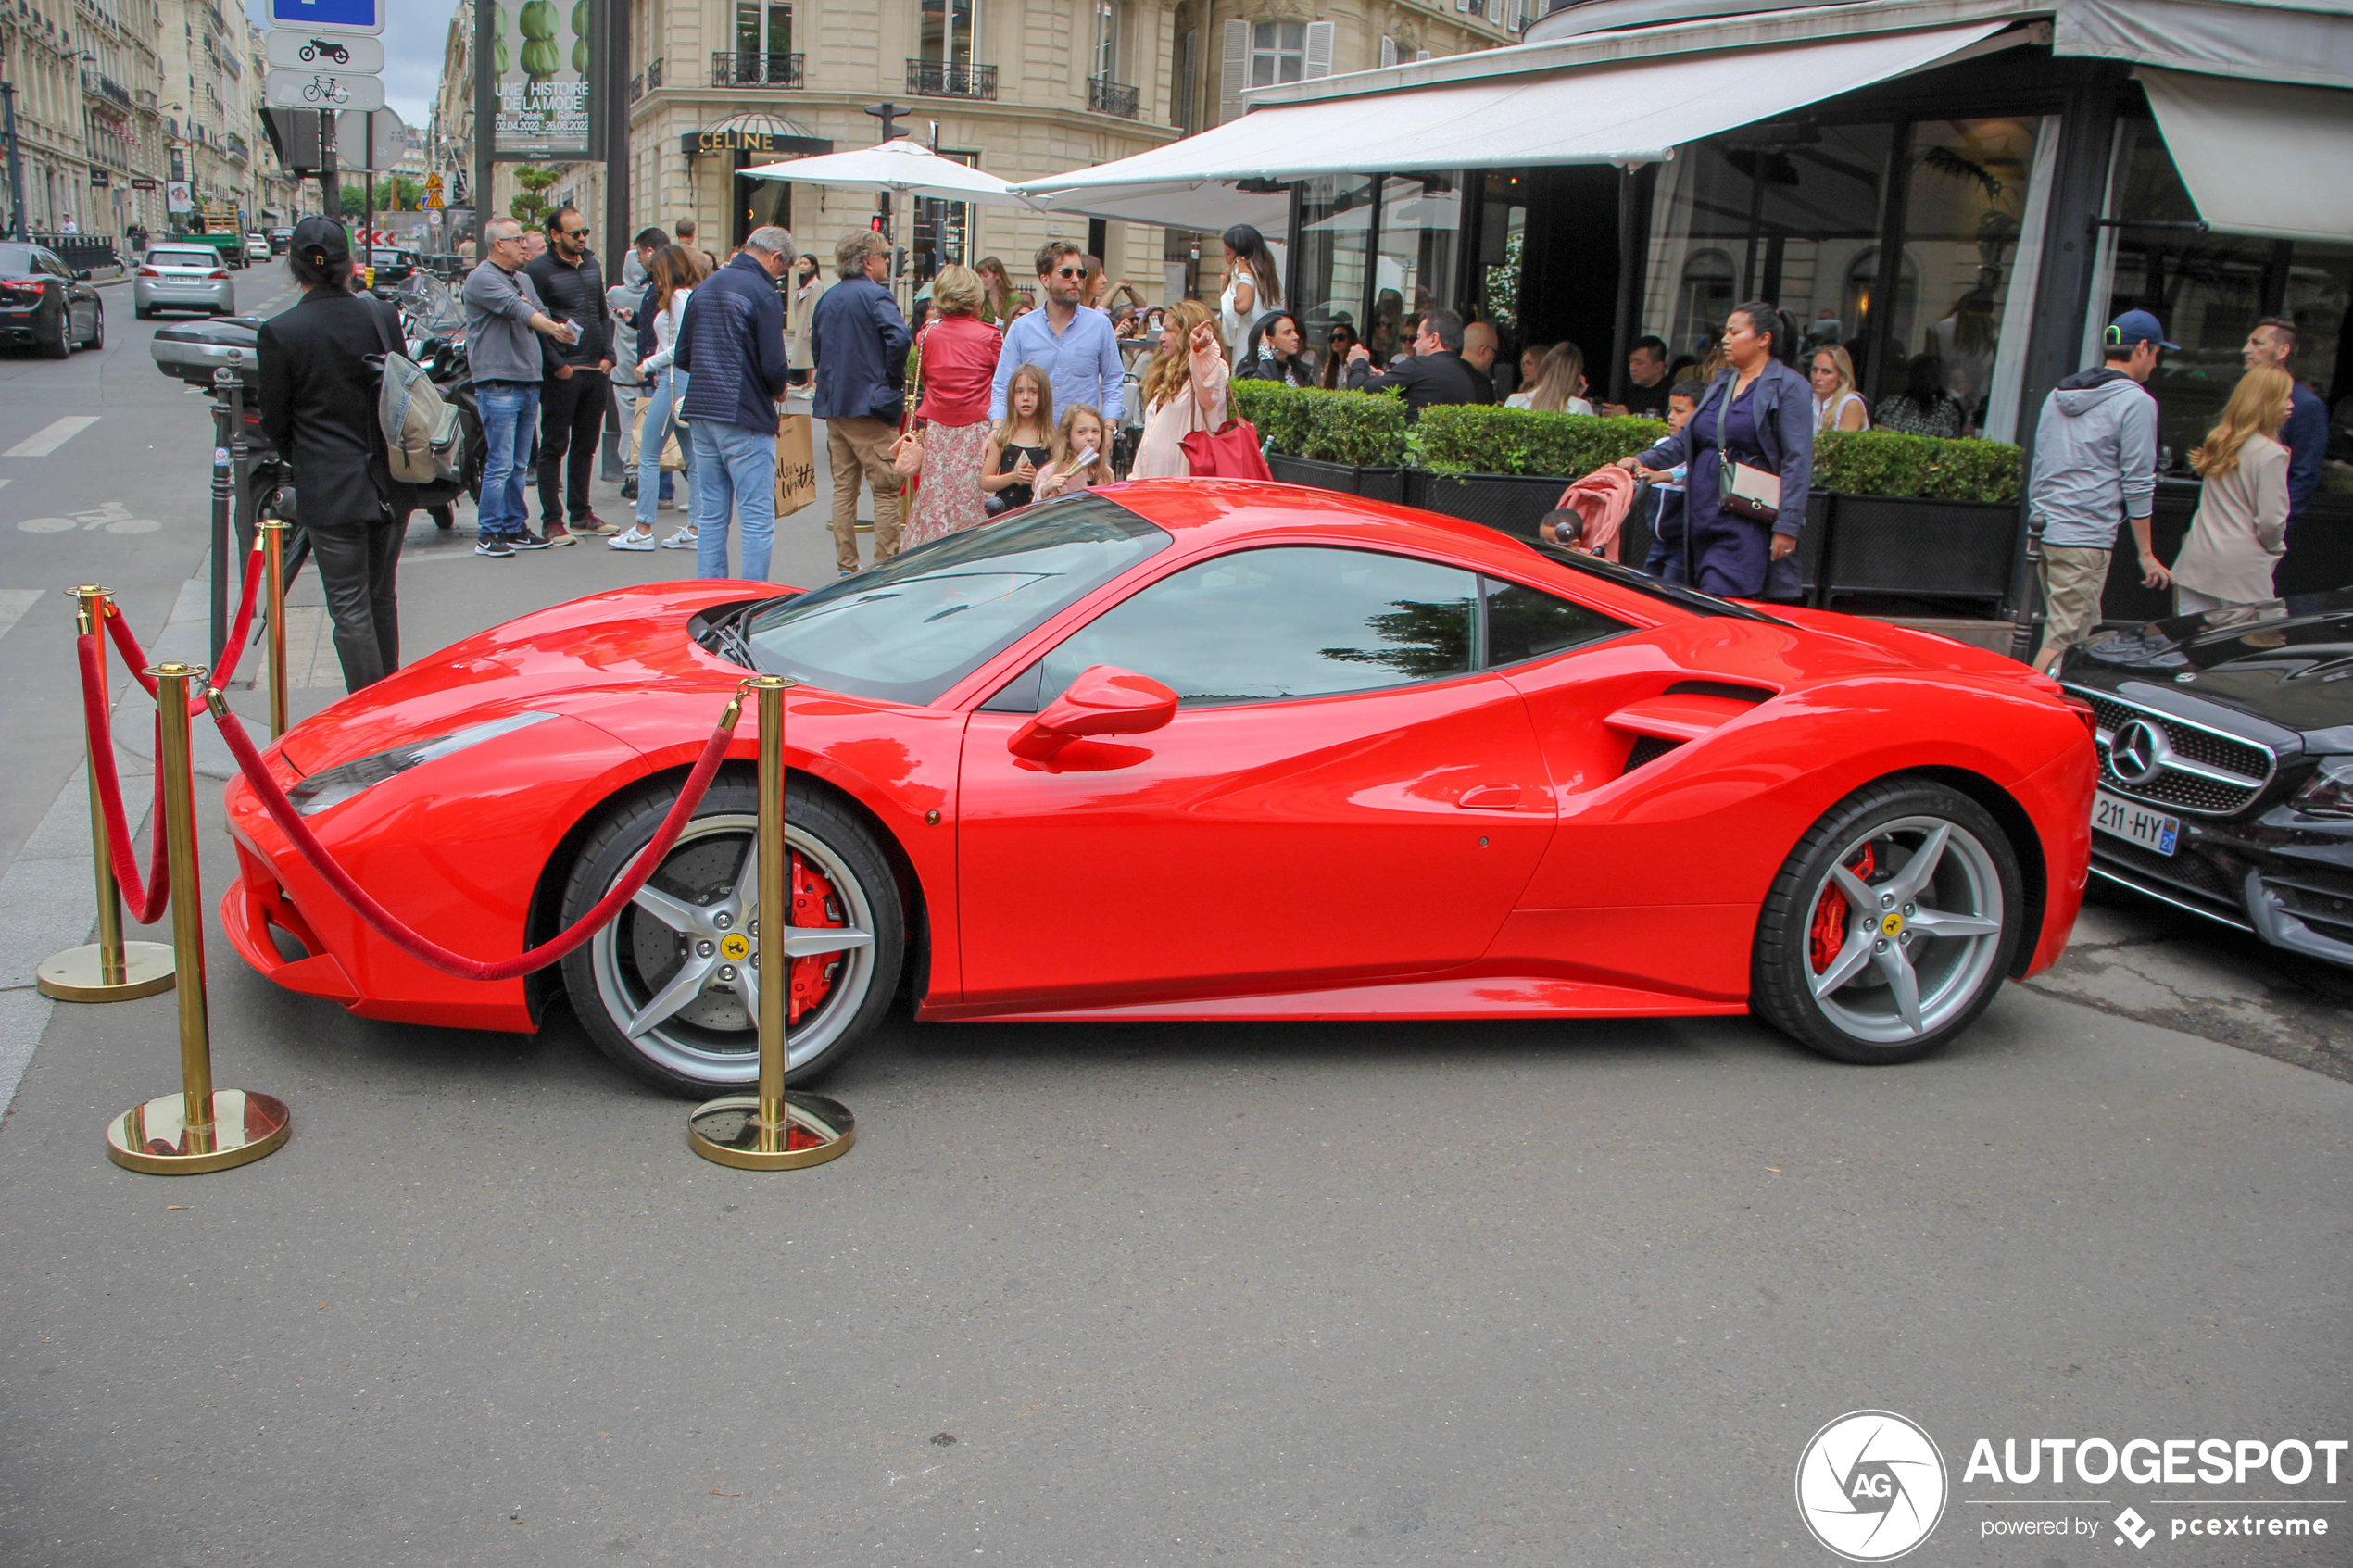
point(948, 33)
point(1188, 82)
point(761, 31)
point(1106, 41)
point(1278, 53)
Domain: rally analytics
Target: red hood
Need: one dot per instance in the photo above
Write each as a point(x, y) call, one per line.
point(617, 643)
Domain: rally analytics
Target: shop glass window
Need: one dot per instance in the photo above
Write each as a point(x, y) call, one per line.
point(1278, 53)
point(1274, 624)
point(1335, 215)
point(1778, 212)
point(1421, 219)
point(1503, 235)
point(2209, 290)
point(1965, 213)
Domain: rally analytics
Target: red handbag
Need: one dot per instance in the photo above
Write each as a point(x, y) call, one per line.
point(1228, 452)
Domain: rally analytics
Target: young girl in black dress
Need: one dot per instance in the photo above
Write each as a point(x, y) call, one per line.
point(1022, 445)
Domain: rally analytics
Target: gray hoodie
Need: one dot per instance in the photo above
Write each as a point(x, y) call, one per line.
point(2095, 458)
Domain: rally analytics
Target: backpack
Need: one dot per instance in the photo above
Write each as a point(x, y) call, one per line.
point(420, 428)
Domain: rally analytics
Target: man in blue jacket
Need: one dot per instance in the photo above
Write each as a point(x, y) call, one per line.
point(859, 343)
point(731, 343)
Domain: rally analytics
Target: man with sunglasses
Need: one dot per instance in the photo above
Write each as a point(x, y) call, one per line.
point(1072, 343)
point(574, 395)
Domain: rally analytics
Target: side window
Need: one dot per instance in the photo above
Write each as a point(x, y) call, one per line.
point(1264, 625)
point(1525, 624)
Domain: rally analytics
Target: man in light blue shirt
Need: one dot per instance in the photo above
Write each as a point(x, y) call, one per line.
point(1071, 342)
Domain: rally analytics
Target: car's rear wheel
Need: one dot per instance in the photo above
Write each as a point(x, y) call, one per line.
point(1891, 926)
point(59, 345)
point(669, 989)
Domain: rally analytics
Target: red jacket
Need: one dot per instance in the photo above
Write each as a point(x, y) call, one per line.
point(959, 361)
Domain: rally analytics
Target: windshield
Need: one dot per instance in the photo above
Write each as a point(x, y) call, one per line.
point(183, 257)
point(913, 627)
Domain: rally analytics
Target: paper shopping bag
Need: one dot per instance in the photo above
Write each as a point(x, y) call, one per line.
point(796, 466)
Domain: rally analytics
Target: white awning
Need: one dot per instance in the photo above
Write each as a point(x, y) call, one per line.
point(1621, 112)
point(2260, 157)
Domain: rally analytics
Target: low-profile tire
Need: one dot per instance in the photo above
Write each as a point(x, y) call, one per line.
point(61, 346)
point(97, 338)
point(1854, 922)
point(661, 965)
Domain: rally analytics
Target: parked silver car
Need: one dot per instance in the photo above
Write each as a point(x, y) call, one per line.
point(183, 278)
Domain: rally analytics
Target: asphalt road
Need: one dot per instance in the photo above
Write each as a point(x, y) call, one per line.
point(1400, 1295)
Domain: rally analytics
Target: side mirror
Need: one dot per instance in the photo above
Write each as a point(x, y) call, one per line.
point(1104, 700)
point(81, 274)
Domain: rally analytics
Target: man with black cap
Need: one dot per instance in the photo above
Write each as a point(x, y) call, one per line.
point(319, 408)
point(2095, 466)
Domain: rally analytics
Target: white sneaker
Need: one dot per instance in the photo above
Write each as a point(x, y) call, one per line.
point(684, 539)
point(633, 540)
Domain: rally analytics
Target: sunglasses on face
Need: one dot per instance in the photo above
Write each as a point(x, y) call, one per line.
point(1071, 273)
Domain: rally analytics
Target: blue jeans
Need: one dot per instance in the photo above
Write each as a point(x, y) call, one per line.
point(509, 417)
point(668, 385)
point(738, 466)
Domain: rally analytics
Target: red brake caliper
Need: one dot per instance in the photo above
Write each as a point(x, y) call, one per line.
point(813, 904)
point(1830, 913)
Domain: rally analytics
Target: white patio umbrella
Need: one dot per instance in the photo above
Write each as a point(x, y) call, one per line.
point(905, 167)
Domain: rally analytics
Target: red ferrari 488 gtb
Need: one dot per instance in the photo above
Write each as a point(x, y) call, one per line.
point(1197, 751)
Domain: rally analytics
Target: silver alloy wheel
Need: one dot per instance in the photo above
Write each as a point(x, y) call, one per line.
point(1921, 940)
point(678, 999)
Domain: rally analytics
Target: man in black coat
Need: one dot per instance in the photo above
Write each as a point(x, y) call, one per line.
point(318, 399)
point(1436, 374)
point(574, 399)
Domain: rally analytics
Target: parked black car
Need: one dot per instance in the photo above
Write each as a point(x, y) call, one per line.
point(392, 266)
point(46, 305)
point(2226, 773)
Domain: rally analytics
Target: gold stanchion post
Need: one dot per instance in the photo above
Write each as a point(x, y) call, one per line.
point(109, 969)
point(274, 544)
point(200, 1128)
point(776, 1129)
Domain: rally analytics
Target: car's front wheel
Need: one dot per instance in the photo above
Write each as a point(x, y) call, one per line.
point(1892, 924)
point(669, 989)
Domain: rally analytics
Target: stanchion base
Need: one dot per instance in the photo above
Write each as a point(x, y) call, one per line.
point(727, 1130)
point(154, 1137)
point(75, 975)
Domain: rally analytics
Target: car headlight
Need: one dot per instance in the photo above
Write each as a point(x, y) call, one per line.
point(2329, 793)
point(333, 786)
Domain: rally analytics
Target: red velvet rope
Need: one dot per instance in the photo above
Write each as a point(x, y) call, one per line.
point(145, 901)
point(224, 663)
point(306, 843)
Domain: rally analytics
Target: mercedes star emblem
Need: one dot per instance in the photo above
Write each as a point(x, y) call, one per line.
point(2137, 754)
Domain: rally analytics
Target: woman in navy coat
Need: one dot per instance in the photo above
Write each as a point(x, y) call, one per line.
point(1758, 412)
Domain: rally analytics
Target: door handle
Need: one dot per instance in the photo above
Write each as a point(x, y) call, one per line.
point(1490, 797)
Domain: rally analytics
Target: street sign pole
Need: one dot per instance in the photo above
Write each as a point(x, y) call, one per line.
point(330, 193)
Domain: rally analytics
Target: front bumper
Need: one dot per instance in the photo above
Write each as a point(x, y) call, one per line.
point(2283, 876)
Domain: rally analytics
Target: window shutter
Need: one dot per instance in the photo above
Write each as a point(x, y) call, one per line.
point(1420, 55)
point(1319, 48)
point(1388, 53)
point(1235, 74)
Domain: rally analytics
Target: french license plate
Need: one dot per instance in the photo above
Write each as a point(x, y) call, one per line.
point(2150, 830)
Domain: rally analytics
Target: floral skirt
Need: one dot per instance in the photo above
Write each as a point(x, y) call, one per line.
point(949, 498)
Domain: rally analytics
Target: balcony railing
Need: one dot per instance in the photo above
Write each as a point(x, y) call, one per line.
point(237, 145)
point(1106, 97)
point(645, 81)
point(731, 68)
point(935, 79)
point(105, 87)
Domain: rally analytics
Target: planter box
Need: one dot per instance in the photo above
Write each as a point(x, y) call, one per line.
point(1929, 549)
point(1373, 483)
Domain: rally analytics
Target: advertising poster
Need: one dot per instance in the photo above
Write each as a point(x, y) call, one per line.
point(541, 56)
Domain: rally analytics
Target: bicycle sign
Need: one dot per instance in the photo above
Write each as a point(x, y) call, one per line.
point(305, 88)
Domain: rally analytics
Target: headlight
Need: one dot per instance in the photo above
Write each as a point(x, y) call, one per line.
point(2330, 791)
point(333, 786)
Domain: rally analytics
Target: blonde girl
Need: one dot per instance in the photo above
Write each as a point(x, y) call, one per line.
point(1022, 444)
point(1837, 406)
point(1080, 433)
point(1560, 383)
point(2240, 527)
point(1184, 390)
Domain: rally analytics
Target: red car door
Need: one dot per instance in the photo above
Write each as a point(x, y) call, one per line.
point(1340, 797)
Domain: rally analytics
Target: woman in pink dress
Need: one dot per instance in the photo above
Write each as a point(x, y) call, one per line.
point(1184, 390)
point(957, 360)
